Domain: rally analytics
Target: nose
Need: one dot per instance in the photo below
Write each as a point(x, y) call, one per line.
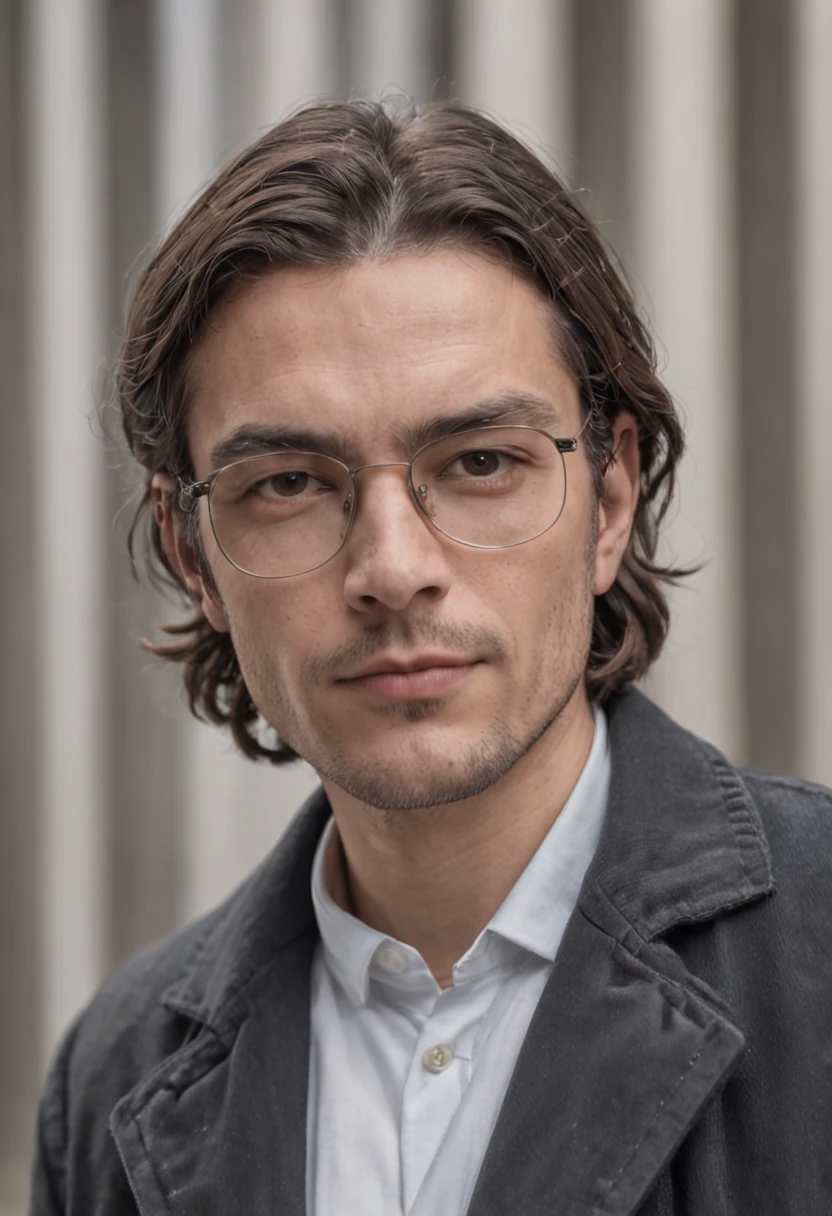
point(394, 554)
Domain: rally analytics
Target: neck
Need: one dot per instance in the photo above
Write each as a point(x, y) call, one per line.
point(433, 878)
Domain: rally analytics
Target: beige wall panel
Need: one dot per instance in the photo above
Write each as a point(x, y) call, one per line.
point(514, 59)
point(390, 51)
point(292, 56)
point(813, 75)
point(681, 214)
point(66, 341)
point(188, 102)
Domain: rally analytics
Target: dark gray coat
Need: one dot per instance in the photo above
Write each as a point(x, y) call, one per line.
point(679, 1061)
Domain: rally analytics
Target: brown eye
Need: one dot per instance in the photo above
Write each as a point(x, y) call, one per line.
point(283, 485)
point(480, 464)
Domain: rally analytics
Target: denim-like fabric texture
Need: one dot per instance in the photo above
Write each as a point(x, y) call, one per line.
point(679, 1062)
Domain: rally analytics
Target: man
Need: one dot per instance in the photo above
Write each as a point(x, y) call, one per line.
point(532, 947)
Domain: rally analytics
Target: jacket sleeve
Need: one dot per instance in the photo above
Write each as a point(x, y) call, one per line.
point(48, 1193)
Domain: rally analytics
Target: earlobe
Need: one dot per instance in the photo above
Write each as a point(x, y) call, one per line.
point(618, 502)
point(210, 606)
point(180, 553)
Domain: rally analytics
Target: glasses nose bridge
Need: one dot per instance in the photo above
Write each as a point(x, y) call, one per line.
point(385, 464)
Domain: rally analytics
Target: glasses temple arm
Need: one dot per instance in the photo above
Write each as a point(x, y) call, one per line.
point(189, 492)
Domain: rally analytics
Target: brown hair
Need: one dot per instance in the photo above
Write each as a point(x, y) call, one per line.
point(339, 182)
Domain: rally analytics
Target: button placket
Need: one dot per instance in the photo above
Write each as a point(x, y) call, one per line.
point(435, 1084)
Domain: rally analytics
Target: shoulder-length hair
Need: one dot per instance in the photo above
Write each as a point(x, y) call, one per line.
point(340, 182)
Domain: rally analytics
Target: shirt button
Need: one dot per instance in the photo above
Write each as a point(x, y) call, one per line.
point(437, 1059)
point(391, 960)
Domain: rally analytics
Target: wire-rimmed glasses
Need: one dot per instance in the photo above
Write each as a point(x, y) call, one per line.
point(285, 513)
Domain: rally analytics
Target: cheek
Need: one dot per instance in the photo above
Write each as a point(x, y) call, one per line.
point(552, 604)
point(266, 631)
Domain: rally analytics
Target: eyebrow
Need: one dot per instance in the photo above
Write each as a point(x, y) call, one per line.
point(252, 439)
point(510, 408)
point(519, 409)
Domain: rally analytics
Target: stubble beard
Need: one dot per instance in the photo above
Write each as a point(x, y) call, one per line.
point(430, 780)
point(484, 765)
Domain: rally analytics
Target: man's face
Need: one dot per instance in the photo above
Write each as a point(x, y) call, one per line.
point(363, 353)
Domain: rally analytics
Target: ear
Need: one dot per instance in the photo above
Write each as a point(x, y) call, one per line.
point(180, 553)
point(617, 506)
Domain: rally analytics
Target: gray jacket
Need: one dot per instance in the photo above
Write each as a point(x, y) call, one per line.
point(679, 1061)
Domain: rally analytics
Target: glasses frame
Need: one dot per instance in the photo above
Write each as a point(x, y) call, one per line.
point(191, 492)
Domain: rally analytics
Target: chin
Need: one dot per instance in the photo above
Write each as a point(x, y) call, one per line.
point(434, 773)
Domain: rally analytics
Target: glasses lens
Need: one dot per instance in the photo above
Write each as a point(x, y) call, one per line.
point(493, 487)
point(281, 514)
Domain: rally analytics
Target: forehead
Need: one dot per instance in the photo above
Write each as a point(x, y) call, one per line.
point(370, 351)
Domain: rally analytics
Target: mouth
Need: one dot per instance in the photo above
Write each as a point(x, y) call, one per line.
point(421, 676)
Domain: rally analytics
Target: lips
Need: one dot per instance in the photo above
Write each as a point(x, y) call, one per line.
point(404, 665)
point(426, 675)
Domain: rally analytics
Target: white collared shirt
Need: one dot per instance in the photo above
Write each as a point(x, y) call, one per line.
point(406, 1080)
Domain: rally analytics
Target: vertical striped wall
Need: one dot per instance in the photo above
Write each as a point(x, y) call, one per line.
point(681, 151)
point(697, 133)
point(812, 416)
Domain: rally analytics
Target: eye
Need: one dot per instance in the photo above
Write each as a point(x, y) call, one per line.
point(294, 483)
point(486, 462)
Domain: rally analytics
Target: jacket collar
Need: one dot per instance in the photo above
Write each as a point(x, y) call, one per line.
point(625, 1049)
point(682, 839)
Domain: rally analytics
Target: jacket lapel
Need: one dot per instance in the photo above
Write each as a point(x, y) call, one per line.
point(619, 1060)
point(627, 1048)
point(220, 1126)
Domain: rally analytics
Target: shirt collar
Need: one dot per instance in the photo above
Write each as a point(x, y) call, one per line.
point(534, 913)
point(349, 944)
point(530, 920)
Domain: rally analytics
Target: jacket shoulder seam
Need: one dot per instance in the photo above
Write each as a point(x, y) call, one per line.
point(811, 789)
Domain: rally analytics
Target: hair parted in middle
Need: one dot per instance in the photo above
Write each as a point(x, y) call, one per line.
point(338, 183)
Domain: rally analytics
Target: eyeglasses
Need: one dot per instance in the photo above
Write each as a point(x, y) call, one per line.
point(288, 513)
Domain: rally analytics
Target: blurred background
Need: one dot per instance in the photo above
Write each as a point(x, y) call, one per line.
point(699, 135)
